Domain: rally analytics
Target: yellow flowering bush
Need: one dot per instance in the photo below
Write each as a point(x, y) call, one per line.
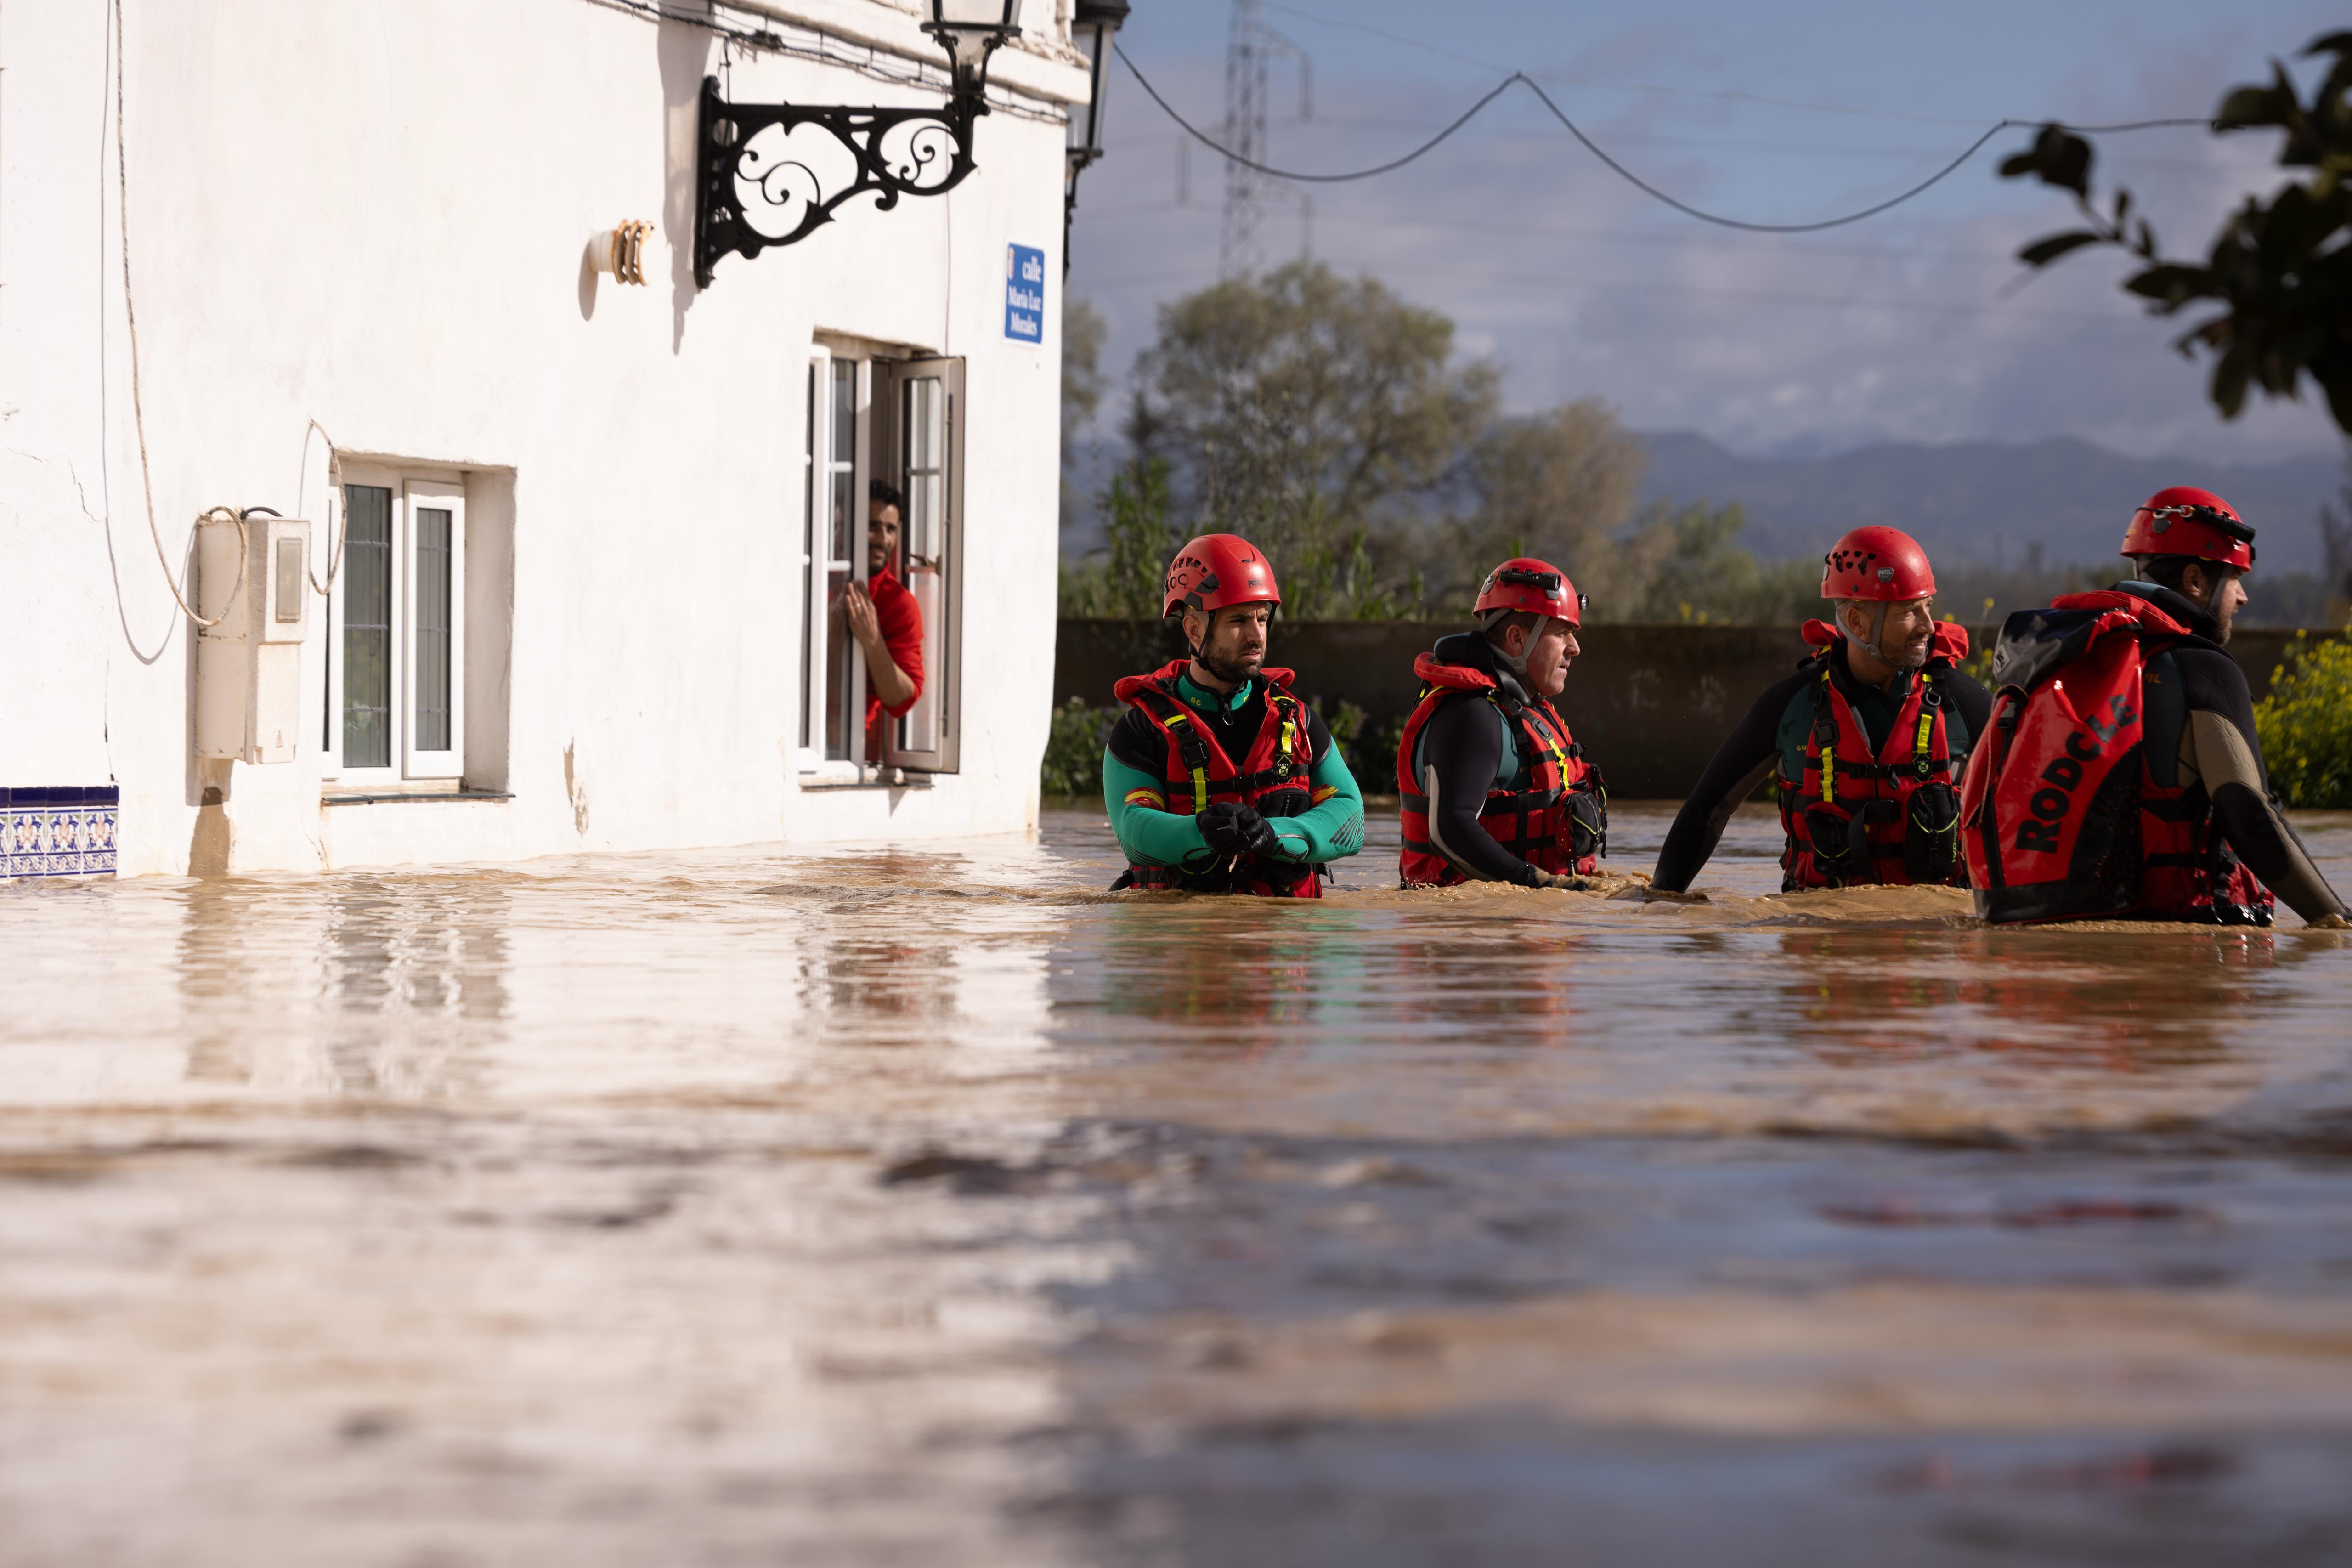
point(2305, 724)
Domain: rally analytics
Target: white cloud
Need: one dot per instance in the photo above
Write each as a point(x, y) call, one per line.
point(1912, 326)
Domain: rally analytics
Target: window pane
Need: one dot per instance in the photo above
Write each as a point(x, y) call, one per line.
point(845, 410)
point(923, 410)
point(367, 626)
point(843, 529)
point(844, 513)
point(433, 623)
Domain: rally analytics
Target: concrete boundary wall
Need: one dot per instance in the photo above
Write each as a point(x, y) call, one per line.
point(1649, 702)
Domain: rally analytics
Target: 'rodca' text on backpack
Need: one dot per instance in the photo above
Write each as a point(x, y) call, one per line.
point(2061, 815)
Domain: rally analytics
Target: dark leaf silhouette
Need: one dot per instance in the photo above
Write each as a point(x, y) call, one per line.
point(2280, 270)
point(2042, 252)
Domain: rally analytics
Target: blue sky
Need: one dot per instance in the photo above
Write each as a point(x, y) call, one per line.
point(1906, 326)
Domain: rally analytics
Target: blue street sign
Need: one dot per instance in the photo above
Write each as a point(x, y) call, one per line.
point(1024, 293)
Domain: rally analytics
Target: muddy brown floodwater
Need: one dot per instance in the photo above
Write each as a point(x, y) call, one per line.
point(874, 1206)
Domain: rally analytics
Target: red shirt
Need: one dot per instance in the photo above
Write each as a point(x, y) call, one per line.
point(902, 633)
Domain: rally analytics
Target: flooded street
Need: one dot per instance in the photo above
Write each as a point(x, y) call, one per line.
point(926, 1205)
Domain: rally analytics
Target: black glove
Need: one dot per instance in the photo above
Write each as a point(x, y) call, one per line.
point(1234, 830)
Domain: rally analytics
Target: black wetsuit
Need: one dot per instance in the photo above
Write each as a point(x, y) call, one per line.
point(2218, 749)
point(1465, 744)
point(1773, 734)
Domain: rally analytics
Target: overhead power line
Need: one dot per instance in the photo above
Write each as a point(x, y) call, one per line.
point(1994, 311)
point(1677, 238)
point(1646, 89)
point(1521, 78)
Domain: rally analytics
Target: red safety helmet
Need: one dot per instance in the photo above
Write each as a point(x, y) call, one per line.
point(1877, 562)
point(1524, 583)
point(2185, 520)
point(1217, 569)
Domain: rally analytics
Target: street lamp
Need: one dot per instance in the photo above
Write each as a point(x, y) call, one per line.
point(971, 30)
point(1091, 27)
point(773, 173)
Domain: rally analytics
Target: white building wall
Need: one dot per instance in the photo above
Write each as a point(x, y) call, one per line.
point(375, 216)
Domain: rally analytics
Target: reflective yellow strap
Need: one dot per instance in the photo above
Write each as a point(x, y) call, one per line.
point(1200, 778)
point(1919, 745)
point(1558, 755)
point(1543, 732)
point(1829, 758)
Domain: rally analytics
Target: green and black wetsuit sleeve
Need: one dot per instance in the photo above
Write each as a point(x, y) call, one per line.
point(1134, 761)
point(1745, 756)
point(1332, 827)
point(2228, 760)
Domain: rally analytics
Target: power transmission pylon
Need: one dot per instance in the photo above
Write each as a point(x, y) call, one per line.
point(1249, 47)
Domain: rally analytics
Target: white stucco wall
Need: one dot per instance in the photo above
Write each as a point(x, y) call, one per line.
point(374, 214)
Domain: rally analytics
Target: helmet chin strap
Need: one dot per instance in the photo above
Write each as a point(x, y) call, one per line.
point(1517, 663)
point(1222, 669)
point(1878, 630)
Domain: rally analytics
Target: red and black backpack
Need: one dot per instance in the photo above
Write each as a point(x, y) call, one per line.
point(2072, 808)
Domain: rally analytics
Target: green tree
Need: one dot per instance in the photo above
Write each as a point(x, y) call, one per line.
point(1083, 333)
point(1127, 581)
point(1309, 412)
point(2281, 268)
point(1694, 570)
point(1559, 485)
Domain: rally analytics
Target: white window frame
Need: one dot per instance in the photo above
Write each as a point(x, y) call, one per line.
point(818, 471)
point(440, 495)
point(408, 766)
point(934, 518)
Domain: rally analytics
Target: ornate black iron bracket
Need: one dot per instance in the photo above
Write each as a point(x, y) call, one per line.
point(772, 173)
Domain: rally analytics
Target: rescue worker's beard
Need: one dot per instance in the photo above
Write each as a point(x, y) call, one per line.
point(1898, 659)
point(2216, 603)
point(1233, 669)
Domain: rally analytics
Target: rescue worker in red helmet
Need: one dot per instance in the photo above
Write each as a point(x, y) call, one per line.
point(1491, 785)
point(2215, 845)
point(1217, 778)
point(1866, 740)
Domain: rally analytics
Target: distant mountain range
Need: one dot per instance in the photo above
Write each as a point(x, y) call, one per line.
point(1987, 502)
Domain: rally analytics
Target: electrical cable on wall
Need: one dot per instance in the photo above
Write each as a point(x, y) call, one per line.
point(766, 40)
point(334, 496)
point(138, 413)
point(1613, 165)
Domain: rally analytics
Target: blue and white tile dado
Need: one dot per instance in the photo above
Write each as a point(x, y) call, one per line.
point(58, 830)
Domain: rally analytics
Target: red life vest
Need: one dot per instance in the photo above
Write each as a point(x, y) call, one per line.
point(1559, 823)
point(2062, 817)
point(1273, 778)
point(1861, 816)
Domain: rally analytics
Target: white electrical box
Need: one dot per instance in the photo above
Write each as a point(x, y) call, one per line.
point(249, 666)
